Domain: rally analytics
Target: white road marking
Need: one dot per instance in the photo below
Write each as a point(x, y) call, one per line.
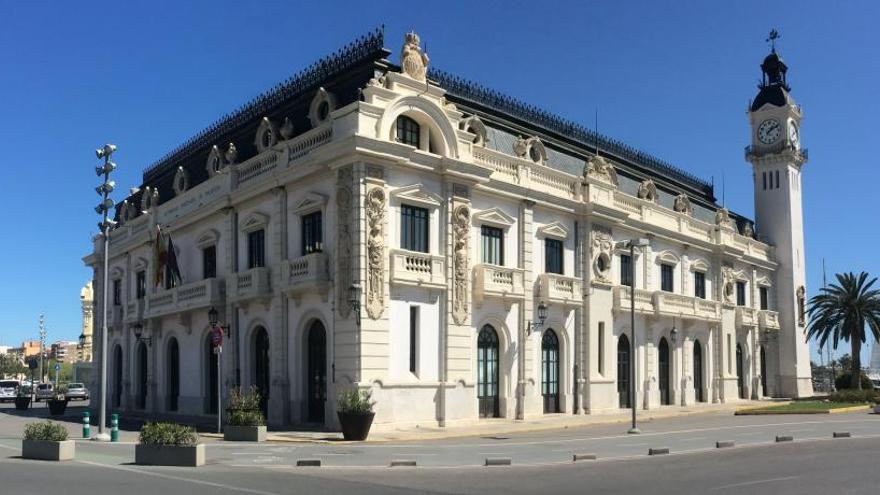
point(756, 482)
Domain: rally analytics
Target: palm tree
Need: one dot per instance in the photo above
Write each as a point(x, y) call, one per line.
point(841, 311)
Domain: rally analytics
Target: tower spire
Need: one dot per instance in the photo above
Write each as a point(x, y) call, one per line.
point(771, 38)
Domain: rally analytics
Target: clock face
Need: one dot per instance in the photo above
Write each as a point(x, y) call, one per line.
point(793, 134)
point(769, 131)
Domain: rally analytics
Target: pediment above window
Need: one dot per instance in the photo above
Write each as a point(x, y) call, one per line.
point(699, 265)
point(140, 265)
point(255, 221)
point(667, 257)
point(417, 194)
point(208, 238)
point(309, 203)
point(555, 230)
point(116, 273)
point(494, 216)
point(764, 282)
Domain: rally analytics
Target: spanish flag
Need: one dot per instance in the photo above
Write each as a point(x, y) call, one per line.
point(160, 253)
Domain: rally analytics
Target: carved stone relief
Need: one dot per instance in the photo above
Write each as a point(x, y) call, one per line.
point(648, 190)
point(286, 129)
point(181, 181)
point(728, 284)
point(682, 204)
point(375, 208)
point(461, 219)
point(319, 109)
point(475, 126)
point(530, 149)
point(214, 163)
point(598, 168)
point(149, 199)
point(231, 154)
point(801, 302)
point(413, 61)
point(722, 218)
point(267, 135)
point(343, 241)
point(602, 246)
point(748, 230)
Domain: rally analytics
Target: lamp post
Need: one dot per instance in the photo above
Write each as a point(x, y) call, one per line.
point(632, 244)
point(138, 329)
point(106, 224)
point(542, 316)
point(354, 300)
point(217, 332)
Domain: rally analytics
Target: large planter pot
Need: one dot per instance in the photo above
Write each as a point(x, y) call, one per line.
point(356, 426)
point(169, 455)
point(48, 451)
point(57, 407)
point(22, 403)
point(877, 408)
point(232, 433)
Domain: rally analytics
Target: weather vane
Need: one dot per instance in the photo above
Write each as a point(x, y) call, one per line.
point(774, 35)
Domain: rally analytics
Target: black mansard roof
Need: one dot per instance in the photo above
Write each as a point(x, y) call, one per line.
point(348, 70)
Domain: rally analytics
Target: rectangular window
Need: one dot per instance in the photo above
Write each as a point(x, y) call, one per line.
point(140, 287)
point(764, 174)
point(666, 278)
point(408, 131)
point(601, 348)
point(740, 293)
point(414, 228)
point(209, 262)
point(700, 285)
point(777, 179)
point(312, 233)
point(413, 338)
point(729, 355)
point(626, 273)
point(256, 249)
point(765, 297)
point(493, 245)
point(117, 292)
point(553, 256)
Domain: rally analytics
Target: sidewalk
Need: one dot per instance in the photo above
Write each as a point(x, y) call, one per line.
point(501, 426)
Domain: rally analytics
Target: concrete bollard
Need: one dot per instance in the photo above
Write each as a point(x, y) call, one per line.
point(308, 462)
point(724, 444)
point(498, 461)
point(658, 451)
point(841, 434)
point(114, 427)
point(784, 438)
point(403, 463)
point(583, 457)
point(87, 425)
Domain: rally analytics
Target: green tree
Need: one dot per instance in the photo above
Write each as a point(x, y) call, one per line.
point(10, 365)
point(841, 311)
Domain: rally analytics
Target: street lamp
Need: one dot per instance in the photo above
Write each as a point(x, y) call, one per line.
point(354, 299)
point(542, 316)
point(217, 333)
point(138, 331)
point(632, 244)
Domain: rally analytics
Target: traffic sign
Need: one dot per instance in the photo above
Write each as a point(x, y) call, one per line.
point(57, 366)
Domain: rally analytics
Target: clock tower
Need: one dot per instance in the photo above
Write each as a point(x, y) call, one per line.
point(777, 160)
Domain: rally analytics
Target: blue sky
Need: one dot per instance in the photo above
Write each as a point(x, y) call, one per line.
point(671, 78)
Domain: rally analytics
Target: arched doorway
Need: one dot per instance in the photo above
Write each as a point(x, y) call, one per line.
point(623, 381)
point(663, 372)
point(142, 375)
point(550, 371)
point(487, 372)
point(210, 374)
point(117, 376)
point(317, 371)
point(740, 382)
point(764, 372)
point(172, 375)
point(698, 371)
point(261, 367)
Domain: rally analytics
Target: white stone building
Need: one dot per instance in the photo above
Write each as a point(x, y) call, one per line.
point(458, 212)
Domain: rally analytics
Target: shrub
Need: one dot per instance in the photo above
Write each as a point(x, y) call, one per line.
point(355, 401)
point(45, 430)
point(842, 382)
point(165, 433)
point(244, 408)
point(854, 396)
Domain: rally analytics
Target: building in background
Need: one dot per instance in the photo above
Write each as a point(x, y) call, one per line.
point(64, 351)
point(87, 304)
point(27, 349)
point(456, 251)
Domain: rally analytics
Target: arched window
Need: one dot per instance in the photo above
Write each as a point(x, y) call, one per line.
point(408, 131)
point(623, 380)
point(487, 372)
point(740, 379)
point(317, 371)
point(698, 371)
point(663, 371)
point(211, 378)
point(261, 367)
point(550, 371)
point(173, 374)
point(117, 376)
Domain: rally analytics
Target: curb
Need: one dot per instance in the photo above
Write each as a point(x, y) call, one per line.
point(583, 457)
point(498, 461)
point(725, 444)
point(658, 451)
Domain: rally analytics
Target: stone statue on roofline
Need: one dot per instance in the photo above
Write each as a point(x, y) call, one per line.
point(413, 61)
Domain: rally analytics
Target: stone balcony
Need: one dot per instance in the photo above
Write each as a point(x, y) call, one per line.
point(114, 315)
point(768, 319)
point(746, 317)
point(497, 282)
point(671, 304)
point(644, 300)
point(134, 311)
point(304, 274)
point(559, 289)
point(249, 285)
point(418, 269)
point(196, 295)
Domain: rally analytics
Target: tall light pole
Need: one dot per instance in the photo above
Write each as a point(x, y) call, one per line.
point(42, 345)
point(106, 224)
point(632, 244)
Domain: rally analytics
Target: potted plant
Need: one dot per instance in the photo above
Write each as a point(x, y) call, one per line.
point(47, 441)
point(23, 398)
point(355, 412)
point(169, 444)
point(244, 417)
point(58, 402)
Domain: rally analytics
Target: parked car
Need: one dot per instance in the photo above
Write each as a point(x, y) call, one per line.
point(76, 391)
point(45, 391)
point(8, 390)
